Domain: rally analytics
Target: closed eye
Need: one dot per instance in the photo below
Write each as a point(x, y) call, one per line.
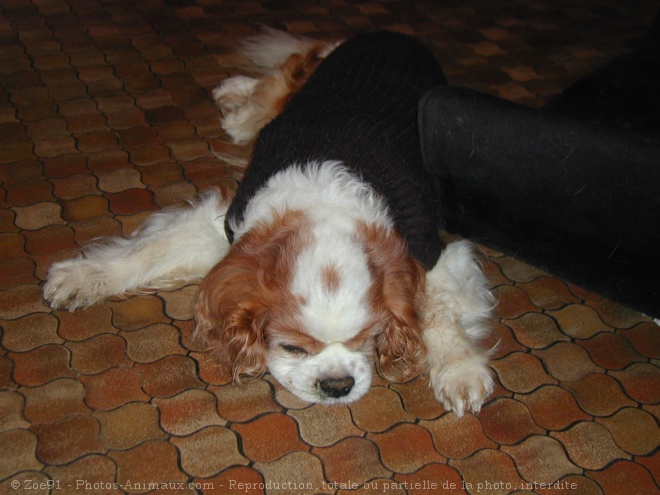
point(294, 349)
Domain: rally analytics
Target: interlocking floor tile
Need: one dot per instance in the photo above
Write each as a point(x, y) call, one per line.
point(106, 116)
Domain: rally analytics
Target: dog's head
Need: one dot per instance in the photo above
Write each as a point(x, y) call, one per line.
point(314, 313)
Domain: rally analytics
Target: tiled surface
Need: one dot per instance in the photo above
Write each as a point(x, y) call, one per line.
point(105, 116)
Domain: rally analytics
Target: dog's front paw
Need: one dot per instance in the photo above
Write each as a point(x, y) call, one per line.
point(74, 284)
point(462, 386)
point(233, 93)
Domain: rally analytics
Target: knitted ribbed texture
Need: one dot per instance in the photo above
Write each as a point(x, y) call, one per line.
point(360, 107)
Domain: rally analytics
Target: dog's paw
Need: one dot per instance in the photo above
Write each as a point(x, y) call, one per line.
point(463, 386)
point(243, 124)
point(233, 93)
point(75, 284)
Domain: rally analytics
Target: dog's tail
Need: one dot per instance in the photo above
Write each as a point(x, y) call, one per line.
point(285, 62)
point(272, 48)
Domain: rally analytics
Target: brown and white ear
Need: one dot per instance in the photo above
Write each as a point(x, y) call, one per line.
point(237, 297)
point(398, 292)
point(231, 319)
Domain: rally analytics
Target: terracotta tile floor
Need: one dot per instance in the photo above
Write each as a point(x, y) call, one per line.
point(106, 116)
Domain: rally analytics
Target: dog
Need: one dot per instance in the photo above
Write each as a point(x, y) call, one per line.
point(327, 262)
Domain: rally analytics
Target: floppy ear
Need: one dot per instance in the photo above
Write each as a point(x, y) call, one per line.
point(231, 316)
point(399, 292)
point(237, 297)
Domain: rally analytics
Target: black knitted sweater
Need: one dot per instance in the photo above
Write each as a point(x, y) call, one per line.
point(360, 108)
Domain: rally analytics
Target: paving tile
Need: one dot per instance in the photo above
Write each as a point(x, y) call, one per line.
point(490, 470)
point(131, 201)
point(6, 370)
point(573, 483)
point(38, 216)
point(626, 477)
point(18, 452)
point(553, 407)
point(174, 194)
point(244, 402)
point(179, 303)
point(509, 369)
point(169, 376)
point(389, 404)
point(97, 354)
point(611, 351)
point(579, 321)
point(458, 438)
point(137, 312)
point(135, 466)
point(75, 186)
point(640, 382)
point(64, 166)
point(210, 370)
point(299, 471)
point(541, 459)
point(11, 411)
point(536, 330)
point(323, 426)
point(113, 388)
point(55, 400)
point(85, 208)
point(599, 395)
point(119, 180)
point(68, 439)
point(84, 324)
point(567, 361)
point(188, 412)
point(94, 472)
point(516, 271)
point(129, 425)
point(104, 161)
point(634, 430)
point(269, 437)
point(41, 365)
point(152, 343)
point(418, 398)
point(30, 332)
point(29, 193)
point(507, 421)
point(13, 245)
point(209, 451)
point(589, 445)
point(406, 448)
point(440, 477)
point(512, 302)
point(615, 315)
point(352, 461)
point(235, 481)
point(645, 338)
point(652, 464)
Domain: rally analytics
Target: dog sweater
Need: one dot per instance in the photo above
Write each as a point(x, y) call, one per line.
point(360, 107)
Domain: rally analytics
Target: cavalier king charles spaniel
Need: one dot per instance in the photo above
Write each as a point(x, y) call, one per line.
point(311, 278)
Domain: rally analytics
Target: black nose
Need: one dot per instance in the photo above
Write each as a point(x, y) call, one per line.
point(336, 387)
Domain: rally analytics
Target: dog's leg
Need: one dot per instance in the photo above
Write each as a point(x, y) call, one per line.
point(458, 308)
point(171, 246)
point(249, 104)
point(233, 93)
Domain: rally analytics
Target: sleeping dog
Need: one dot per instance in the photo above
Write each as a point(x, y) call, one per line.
point(327, 263)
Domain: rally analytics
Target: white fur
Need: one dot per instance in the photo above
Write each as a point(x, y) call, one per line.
point(172, 246)
point(301, 376)
point(184, 244)
point(247, 103)
point(272, 47)
point(459, 305)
